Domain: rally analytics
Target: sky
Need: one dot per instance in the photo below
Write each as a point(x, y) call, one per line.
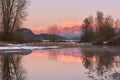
point(45, 13)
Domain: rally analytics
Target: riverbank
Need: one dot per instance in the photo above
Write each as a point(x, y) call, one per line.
point(45, 44)
point(60, 44)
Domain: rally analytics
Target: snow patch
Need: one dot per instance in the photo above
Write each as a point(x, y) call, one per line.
point(20, 47)
point(17, 45)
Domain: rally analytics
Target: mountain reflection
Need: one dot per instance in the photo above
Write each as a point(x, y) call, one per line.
point(10, 66)
point(65, 55)
point(102, 64)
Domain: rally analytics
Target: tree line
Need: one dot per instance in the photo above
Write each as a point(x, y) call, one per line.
point(99, 29)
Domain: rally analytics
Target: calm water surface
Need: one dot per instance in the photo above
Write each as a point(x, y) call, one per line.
point(84, 63)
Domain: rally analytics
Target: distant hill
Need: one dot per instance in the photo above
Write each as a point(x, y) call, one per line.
point(51, 37)
point(25, 35)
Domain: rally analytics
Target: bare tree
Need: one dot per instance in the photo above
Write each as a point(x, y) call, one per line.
point(105, 25)
point(53, 31)
point(100, 19)
point(87, 29)
point(12, 13)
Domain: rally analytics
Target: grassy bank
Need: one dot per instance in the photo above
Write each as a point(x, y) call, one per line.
point(3, 43)
point(60, 44)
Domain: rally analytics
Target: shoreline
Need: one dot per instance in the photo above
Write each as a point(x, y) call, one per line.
point(44, 44)
point(59, 44)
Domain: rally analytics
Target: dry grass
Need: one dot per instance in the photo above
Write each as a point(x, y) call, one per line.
point(3, 43)
point(60, 44)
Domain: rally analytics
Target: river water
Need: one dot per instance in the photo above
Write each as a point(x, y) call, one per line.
point(81, 63)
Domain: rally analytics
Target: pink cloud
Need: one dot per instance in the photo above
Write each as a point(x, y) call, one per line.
point(62, 27)
point(69, 24)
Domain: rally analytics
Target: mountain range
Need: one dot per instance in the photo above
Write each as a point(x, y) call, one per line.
point(26, 35)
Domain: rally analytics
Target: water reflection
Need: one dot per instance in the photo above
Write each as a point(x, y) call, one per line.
point(88, 63)
point(53, 54)
point(10, 65)
point(102, 64)
point(65, 55)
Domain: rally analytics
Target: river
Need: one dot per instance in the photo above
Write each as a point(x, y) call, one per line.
point(81, 63)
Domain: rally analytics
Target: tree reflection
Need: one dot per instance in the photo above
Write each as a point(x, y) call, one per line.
point(101, 65)
point(10, 65)
point(53, 54)
point(104, 62)
point(11, 68)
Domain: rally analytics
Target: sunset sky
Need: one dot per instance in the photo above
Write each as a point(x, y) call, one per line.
point(44, 13)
